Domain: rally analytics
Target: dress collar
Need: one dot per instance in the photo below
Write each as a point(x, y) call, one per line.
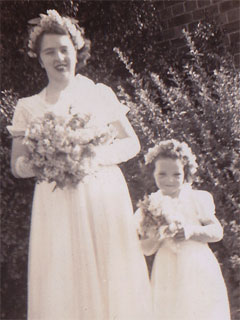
point(183, 194)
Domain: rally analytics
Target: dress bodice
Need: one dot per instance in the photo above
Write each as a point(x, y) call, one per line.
point(191, 208)
point(82, 96)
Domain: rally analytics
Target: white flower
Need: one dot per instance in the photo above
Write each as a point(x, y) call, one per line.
point(155, 204)
point(168, 205)
point(61, 149)
point(77, 152)
point(160, 214)
point(171, 209)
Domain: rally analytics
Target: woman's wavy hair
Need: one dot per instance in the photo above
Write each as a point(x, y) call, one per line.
point(82, 55)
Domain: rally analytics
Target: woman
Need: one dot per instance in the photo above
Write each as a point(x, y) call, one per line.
point(84, 257)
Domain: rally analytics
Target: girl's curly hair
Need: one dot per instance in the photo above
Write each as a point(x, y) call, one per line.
point(174, 149)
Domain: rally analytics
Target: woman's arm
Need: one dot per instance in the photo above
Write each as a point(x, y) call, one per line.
point(124, 147)
point(19, 165)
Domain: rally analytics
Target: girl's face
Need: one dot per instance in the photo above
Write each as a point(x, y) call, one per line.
point(169, 176)
point(58, 57)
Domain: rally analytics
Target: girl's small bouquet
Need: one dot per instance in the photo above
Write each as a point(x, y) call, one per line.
point(61, 148)
point(159, 216)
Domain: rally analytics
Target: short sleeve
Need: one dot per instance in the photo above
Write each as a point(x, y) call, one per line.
point(110, 104)
point(20, 120)
point(205, 205)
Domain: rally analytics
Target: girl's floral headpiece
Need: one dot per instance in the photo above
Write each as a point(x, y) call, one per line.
point(46, 21)
point(173, 148)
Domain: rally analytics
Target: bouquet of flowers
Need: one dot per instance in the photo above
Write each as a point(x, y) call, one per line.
point(61, 148)
point(159, 216)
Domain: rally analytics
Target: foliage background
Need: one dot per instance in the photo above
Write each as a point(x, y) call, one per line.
point(190, 96)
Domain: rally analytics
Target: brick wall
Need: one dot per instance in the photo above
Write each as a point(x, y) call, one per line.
point(176, 15)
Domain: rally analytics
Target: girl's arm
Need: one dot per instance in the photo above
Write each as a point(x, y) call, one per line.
point(124, 147)
point(210, 231)
point(19, 165)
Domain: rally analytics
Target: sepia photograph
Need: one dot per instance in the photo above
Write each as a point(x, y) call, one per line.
point(120, 159)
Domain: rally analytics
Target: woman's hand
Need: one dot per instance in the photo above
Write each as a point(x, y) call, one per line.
point(123, 148)
point(19, 165)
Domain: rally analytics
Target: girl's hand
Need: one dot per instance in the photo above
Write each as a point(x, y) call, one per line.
point(180, 235)
point(150, 245)
point(175, 231)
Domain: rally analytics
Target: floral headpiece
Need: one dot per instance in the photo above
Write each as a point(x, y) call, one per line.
point(46, 21)
point(173, 148)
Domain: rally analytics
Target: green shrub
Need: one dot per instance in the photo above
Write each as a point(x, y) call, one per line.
point(16, 199)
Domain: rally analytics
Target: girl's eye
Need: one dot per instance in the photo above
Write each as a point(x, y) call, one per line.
point(177, 174)
point(49, 52)
point(64, 50)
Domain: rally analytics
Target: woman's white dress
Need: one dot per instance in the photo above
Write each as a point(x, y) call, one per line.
point(85, 262)
point(187, 282)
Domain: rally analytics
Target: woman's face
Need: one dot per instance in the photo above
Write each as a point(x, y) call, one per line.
point(58, 57)
point(169, 176)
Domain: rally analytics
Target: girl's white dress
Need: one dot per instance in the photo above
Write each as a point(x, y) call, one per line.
point(85, 261)
point(187, 282)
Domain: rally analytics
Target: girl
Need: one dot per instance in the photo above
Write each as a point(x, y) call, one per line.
point(85, 261)
point(186, 279)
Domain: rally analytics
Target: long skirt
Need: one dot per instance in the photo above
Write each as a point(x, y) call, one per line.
point(85, 261)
